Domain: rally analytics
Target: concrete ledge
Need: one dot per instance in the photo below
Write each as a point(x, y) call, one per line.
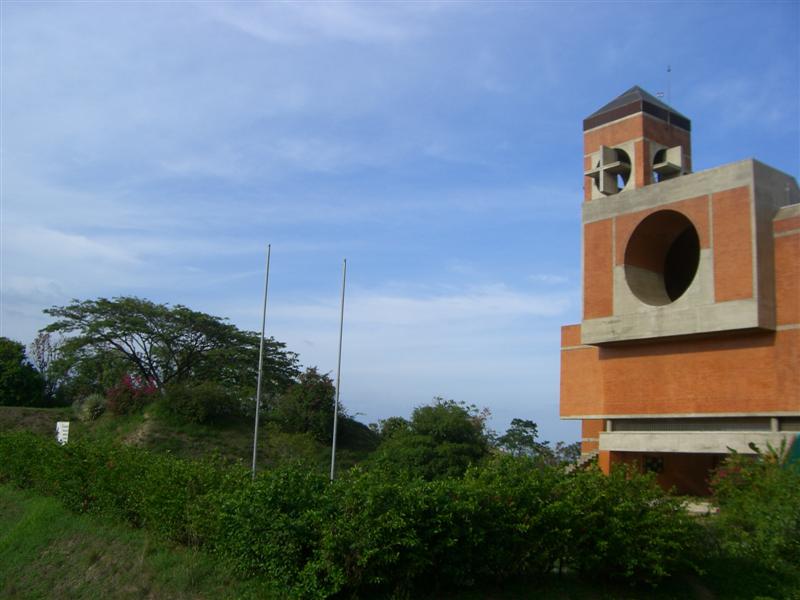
point(672, 320)
point(705, 442)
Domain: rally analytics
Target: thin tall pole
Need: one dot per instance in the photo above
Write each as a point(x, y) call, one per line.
point(261, 360)
point(338, 372)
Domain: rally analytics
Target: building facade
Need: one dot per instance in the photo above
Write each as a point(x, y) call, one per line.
point(690, 338)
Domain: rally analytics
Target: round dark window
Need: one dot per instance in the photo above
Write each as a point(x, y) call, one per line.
point(661, 257)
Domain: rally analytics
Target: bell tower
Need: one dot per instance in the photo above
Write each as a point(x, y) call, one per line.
point(633, 141)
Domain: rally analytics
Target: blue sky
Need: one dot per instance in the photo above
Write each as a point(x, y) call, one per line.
point(154, 149)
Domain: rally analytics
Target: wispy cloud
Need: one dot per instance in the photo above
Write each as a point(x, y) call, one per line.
point(301, 22)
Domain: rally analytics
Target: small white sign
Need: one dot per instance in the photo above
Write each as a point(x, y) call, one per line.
point(62, 432)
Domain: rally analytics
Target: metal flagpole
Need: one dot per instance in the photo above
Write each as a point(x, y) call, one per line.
point(261, 360)
point(338, 373)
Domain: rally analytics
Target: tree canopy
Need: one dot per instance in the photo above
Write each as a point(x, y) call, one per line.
point(165, 344)
point(20, 383)
point(441, 440)
point(520, 438)
point(307, 406)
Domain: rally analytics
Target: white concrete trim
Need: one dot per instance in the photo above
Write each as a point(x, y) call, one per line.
point(685, 187)
point(788, 327)
point(781, 234)
point(711, 261)
point(787, 211)
point(754, 241)
point(581, 347)
point(691, 442)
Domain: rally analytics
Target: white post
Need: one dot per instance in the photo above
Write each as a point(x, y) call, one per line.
point(261, 360)
point(62, 432)
point(338, 373)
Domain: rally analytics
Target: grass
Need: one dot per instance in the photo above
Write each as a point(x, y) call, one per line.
point(48, 552)
point(38, 420)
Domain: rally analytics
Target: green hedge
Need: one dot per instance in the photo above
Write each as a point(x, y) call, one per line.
point(370, 531)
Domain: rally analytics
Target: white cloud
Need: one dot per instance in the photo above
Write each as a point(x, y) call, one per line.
point(45, 244)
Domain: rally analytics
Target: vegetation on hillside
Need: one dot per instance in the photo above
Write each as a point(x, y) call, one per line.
point(375, 532)
point(161, 399)
point(170, 378)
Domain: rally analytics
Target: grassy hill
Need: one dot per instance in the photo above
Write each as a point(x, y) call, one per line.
point(230, 439)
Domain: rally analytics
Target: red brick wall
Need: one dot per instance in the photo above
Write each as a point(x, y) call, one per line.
point(787, 274)
point(598, 279)
point(733, 255)
point(749, 372)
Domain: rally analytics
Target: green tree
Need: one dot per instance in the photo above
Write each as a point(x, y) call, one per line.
point(386, 428)
point(44, 352)
point(20, 383)
point(307, 406)
point(88, 370)
point(167, 344)
point(442, 439)
point(520, 438)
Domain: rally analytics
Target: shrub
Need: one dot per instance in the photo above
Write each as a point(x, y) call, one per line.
point(498, 522)
point(371, 532)
point(131, 394)
point(90, 407)
point(200, 402)
point(759, 510)
point(624, 526)
point(272, 527)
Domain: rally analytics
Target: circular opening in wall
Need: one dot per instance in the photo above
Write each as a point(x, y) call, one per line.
point(661, 257)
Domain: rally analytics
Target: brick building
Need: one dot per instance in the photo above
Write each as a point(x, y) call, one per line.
point(690, 338)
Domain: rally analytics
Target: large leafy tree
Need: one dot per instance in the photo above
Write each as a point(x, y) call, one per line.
point(441, 440)
point(20, 383)
point(165, 344)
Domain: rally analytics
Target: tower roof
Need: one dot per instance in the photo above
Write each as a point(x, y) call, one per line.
point(631, 102)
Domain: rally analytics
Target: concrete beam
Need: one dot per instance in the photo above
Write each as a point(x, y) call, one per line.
point(705, 442)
